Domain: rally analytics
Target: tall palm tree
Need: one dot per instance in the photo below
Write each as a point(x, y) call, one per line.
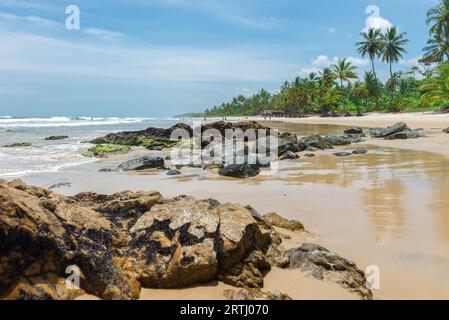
point(344, 71)
point(393, 47)
point(370, 46)
point(438, 19)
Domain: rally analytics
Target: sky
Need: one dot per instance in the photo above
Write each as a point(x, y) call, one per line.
point(159, 58)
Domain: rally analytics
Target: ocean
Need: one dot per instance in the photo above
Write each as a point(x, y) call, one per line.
point(48, 156)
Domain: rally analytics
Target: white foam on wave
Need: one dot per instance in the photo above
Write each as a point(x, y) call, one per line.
point(66, 122)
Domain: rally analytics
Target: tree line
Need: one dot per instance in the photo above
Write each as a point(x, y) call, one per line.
point(338, 89)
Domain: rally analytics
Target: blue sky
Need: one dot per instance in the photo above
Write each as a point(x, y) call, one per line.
point(165, 57)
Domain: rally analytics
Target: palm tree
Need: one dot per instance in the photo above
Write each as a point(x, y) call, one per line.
point(393, 48)
point(438, 19)
point(372, 85)
point(344, 71)
point(436, 89)
point(370, 46)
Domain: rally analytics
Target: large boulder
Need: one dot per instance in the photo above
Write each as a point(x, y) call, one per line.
point(319, 263)
point(142, 163)
point(240, 170)
point(385, 132)
point(42, 233)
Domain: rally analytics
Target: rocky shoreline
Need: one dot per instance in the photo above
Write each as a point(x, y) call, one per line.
point(289, 145)
point(129, 240)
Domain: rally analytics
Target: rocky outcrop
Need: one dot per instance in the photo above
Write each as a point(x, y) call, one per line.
point(399, 130)
point(319, 263)
point(42, 233)
point(151, 138)
point(142, 163)
point(278, 221)
point(446, 130)
point(123, 241)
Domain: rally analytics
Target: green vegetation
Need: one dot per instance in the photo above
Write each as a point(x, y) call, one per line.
point(103, 150)
point(155, 143)
point(18, 145)
point(338, 89)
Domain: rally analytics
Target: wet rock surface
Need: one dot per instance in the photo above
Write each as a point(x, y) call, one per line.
point(278, 221)
point(353, 130)
point(240, 170)
point(399, 130)
point(342, 154)
point(319, 263)
point(142, 163)
point(338, 140)
point(53, 138)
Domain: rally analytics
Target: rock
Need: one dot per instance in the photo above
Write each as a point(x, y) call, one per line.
point(446, 130)
point(385, 132)
point(61, 185)
point(128, 239)
point(309, 155)
point(254, 294)
point(240, 170)
point(342, 154)
point(42, 233)
point(360, 151)
point(142, 163)
point(338, 140)
point(353, 130)
point(288, 155)
point(187, 242)
point(407, 134)
point(248, 273)
point(18, 145)
point(150, 138)
point(52, 138)
point(278, 221)
point(123, 209)
point(173, 173)
point(105, 170)
point(320, 263)
point(316, 141)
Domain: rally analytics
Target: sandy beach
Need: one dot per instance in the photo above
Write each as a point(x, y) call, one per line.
point(387, 208)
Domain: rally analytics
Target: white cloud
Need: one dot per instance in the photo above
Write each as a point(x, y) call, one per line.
point(101, 33)
point(324, 61)
point(28, 54)
point(375, 21)
point(332, 30)
point(38, 21)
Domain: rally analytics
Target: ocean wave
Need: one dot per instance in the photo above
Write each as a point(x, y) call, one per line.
point(66, 122)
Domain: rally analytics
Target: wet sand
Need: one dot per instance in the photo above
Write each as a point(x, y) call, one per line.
point(387, 208)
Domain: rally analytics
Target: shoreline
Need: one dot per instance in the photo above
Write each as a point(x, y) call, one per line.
point(436, 141)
